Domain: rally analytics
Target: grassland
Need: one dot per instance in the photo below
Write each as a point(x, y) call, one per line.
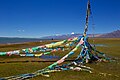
point(111, 70)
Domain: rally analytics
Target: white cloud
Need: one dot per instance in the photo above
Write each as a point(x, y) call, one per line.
point(21, 30)
point(72, 33)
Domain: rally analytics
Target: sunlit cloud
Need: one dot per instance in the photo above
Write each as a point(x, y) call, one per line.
point(72, 33)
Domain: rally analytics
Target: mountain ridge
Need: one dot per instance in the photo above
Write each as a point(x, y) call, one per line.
point(114, 34)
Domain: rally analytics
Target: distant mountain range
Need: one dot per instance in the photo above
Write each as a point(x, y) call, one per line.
point(114, 34)
point(9, 40)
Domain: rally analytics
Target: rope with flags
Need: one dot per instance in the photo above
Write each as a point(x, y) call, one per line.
point(43, 49)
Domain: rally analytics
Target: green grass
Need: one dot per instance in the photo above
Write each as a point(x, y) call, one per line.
point(111, 70)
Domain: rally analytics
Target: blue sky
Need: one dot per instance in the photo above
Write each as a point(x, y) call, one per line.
point(37, 18)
